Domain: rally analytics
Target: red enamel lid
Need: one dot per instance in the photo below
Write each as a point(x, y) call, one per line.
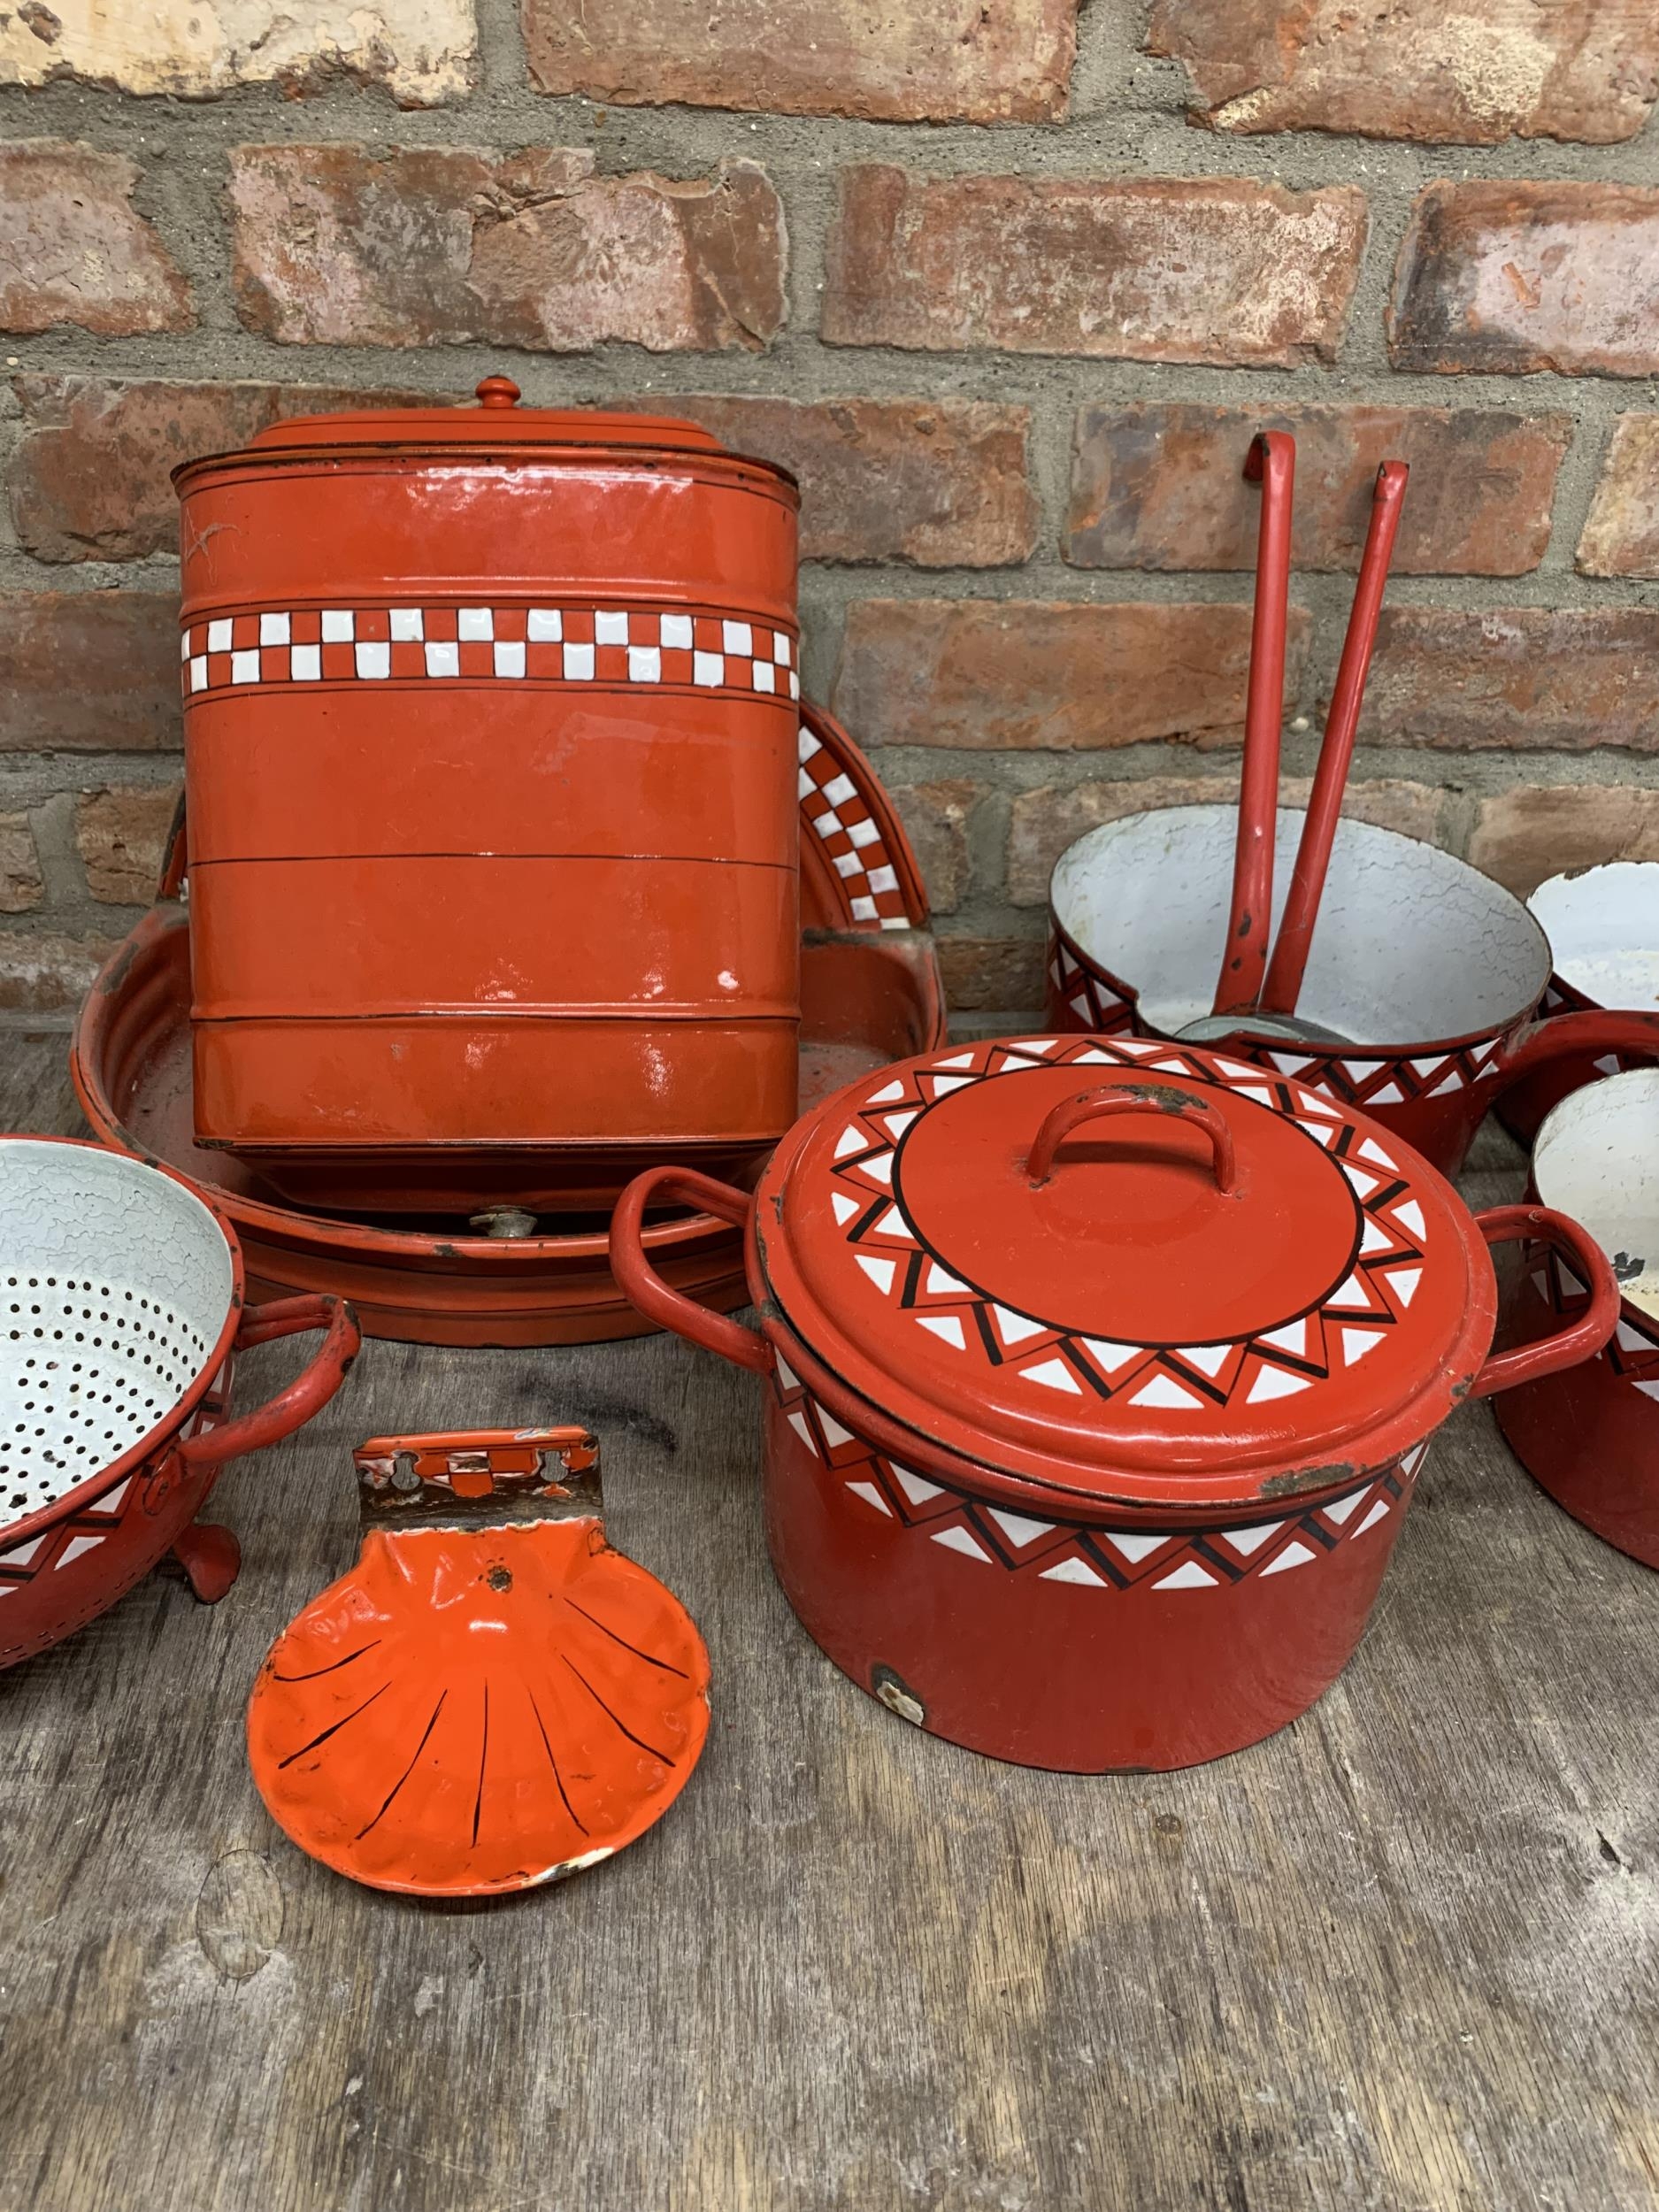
point(1126, 1269)
point(498, 419)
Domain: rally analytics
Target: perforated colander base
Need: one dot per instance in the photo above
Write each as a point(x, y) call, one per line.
point(86, 1368)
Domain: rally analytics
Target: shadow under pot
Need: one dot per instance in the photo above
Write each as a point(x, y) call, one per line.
point(1591, 1438)
point(1426, 971)
point(1098, 1377)
point(1602, 925)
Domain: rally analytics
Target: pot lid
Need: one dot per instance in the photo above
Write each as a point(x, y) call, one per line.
point(498, 419)
point(1126, 1269)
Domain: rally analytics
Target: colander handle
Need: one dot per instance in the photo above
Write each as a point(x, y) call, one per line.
point(307, 1394)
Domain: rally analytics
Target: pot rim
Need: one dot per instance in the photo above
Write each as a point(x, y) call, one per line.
point(1577, 1101)
point(154, 1443)
point(856, 1373)
point(1216, 1498)
point(1417, 1048)
point(1560, 982)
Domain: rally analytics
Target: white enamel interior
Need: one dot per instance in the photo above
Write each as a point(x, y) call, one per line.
point(1602, 925)
point(1597, 1160)
point(1411, 945)
point(115, 1285)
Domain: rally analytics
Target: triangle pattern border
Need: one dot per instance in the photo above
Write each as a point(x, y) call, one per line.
point(1196, 1379)
point(1240, 1547)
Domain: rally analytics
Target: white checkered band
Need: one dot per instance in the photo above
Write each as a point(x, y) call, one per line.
point(835, 808)
point(610, 647)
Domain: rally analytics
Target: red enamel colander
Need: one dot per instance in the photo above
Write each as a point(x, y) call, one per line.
point(121, 1314)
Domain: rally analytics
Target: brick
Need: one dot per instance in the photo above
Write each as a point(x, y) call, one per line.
point(89, 671)
point(1538, 830)
point(439, 246)
point(981, 973)
point(1472, 73)
point(40, 972)
point(1621, 532)
point(908, 61)
point(1162, 487)
point(939, 483)
point(1042, 822)
point(421, 51)
point(1504, 278)
point(21, 884)
point(120, 835)
point(1034, 675)
point(1522, 678)
point(74, 250)
point(91, 477)
point(1216, 269)
point(936, 817)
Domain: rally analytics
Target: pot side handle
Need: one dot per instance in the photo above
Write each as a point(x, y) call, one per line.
point(1565, 1036)
point(307, 1394)
point(1500, 1225)
point(644, 1288)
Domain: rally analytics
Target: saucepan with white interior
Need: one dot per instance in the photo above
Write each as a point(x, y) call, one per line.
point(1422, 982)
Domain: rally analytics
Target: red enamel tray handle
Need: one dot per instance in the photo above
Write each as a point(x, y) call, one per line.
point(307, 1394)
point(644, 1288)
point(1502, 1225)
point(1110, 1099)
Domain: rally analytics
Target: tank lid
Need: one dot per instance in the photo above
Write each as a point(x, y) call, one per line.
point(497, 420)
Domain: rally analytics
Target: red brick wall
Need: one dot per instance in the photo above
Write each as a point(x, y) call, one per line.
point(1010, 288)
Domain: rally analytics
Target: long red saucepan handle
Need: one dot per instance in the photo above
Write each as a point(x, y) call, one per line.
point(1502, 1225)
point(1273, 458)
point(308, 1394)
point(644, 1288)
point(1285, 971)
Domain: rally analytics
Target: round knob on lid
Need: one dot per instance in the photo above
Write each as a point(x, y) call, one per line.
point(498, 391)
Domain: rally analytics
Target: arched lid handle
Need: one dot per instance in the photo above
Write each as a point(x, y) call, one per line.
point(1110, 1099)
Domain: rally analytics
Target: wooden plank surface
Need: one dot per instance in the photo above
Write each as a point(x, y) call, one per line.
point(1402, 1957)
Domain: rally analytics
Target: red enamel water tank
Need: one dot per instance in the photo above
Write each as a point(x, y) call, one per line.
point(490, 736)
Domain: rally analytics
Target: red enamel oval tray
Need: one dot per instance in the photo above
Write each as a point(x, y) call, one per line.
point(869, 997)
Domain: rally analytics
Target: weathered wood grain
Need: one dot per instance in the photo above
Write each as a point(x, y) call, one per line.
point(1401, 1957)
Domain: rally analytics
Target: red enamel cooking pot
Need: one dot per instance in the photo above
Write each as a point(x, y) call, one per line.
point(491, 743)
point(1602, 925)
point(1592, 1438)
point(1099, 1374)
point(122, 1302)
point(1428, 972)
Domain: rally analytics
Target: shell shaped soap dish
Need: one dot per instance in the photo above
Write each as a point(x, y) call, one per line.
point(492, 1697)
